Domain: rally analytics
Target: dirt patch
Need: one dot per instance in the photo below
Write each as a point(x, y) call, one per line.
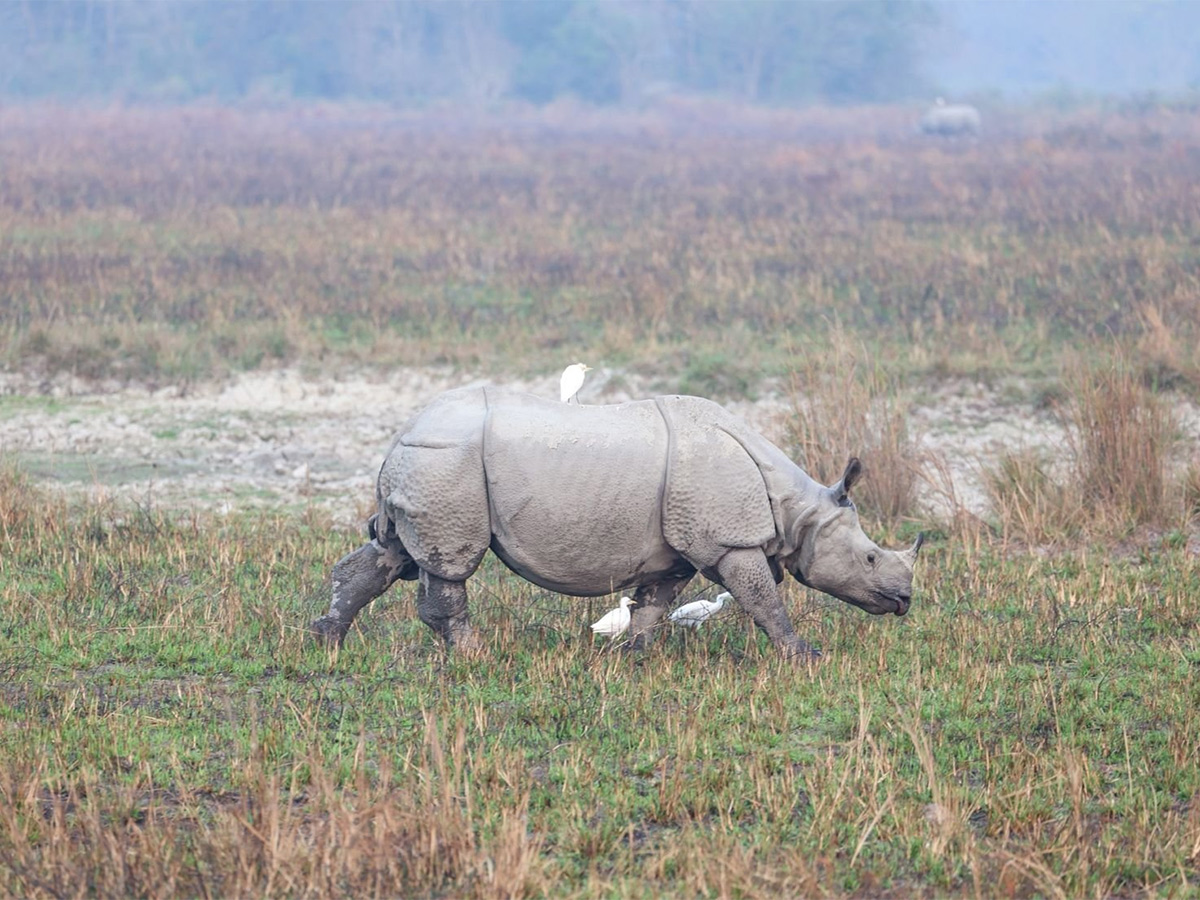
point(279, 438)
point(260, 439)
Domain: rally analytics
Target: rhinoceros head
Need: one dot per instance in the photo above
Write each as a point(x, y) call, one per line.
point(836, 556)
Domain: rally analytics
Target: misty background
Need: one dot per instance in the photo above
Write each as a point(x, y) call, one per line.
point(416, 53)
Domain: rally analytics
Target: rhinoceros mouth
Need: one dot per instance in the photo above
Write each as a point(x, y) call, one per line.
point(897, 604)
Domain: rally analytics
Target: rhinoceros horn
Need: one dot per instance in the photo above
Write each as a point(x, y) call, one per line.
point(909, 556)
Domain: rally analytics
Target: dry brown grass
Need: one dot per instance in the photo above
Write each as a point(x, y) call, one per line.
point(182, 242)
point(303, 833)
point(1191, 491)
point(844, 406)
point(1121, 438)
point(1028, 496)
point(1113, 474)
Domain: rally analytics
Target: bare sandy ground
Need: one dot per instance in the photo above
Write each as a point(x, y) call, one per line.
point(278, 438)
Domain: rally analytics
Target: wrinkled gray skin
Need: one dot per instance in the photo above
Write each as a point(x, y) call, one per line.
point(951, 119)
point(590, 500)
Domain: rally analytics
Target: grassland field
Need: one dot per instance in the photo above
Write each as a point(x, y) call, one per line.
point(211, 320)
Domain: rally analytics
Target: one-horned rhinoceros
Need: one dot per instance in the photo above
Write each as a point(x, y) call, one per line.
point(950, 119)
point(587, 500)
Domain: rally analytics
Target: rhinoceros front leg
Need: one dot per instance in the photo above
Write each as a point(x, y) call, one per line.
point(442, 605)
point(747, 575)
point(358, 578)
point(652, 602)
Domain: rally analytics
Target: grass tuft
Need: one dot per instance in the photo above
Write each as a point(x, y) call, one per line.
point(1121, 436)
point(1027, 494)
point(1191, 491)
point(846, 406)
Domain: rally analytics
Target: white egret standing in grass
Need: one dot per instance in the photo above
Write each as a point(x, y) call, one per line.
point(615, 621)
point(571, 381)
point(695, 614)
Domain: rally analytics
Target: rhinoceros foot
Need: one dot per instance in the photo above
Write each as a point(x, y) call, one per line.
point(328, 631)
point(800, 651)
point(636, 650)
point(467, 642)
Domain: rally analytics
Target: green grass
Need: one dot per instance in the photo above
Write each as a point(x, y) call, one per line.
point(15, 404)
point(94, 469)
point(1030, 728)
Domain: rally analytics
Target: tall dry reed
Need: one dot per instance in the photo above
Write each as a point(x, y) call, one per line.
point(1030, 499)
point(852, 408)
point(283, 834)
point(1120, 435)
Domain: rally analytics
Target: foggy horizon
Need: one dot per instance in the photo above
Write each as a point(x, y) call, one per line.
point(1022, 48)
point(414, 54)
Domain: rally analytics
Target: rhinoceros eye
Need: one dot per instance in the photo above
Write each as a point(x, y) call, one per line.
point(871, 558)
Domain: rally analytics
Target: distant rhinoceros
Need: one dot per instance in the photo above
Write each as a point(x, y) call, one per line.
point(588, 500)
point(950, 119)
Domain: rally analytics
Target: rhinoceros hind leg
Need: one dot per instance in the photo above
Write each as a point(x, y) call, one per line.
point(747, 575)
point(358, 578)
point(652, 602)
point(442, 605)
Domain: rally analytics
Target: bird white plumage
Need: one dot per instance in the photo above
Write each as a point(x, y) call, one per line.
point(615, 621)
point(695, 614)
point(571, 381)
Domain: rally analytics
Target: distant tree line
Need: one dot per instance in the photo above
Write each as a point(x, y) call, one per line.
point(419, 52)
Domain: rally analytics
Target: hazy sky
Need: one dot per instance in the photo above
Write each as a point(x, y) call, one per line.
point(1100, 46)
point(416, 52)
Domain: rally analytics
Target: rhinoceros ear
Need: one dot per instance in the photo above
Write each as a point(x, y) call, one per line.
point(841, 490)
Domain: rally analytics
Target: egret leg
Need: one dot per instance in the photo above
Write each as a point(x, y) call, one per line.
point(747, 575)
point(358, 578)
point(442, 605)
point(653, 602)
